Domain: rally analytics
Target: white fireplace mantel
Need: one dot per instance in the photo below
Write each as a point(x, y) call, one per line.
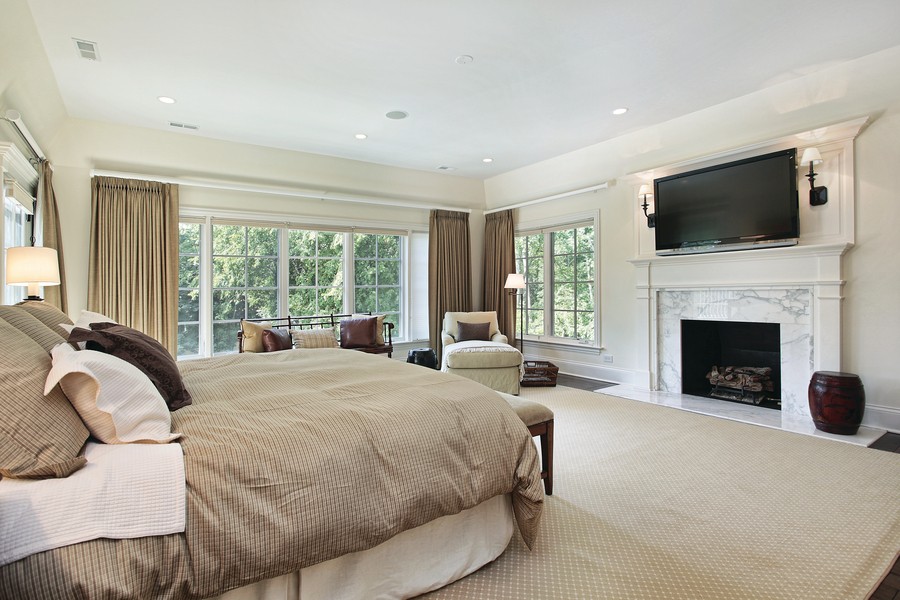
point(799, 287)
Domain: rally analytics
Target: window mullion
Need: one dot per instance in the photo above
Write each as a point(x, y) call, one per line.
point(548, 283)
point(283, 271)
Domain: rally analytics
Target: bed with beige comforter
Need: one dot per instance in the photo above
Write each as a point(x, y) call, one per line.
point(293, 458)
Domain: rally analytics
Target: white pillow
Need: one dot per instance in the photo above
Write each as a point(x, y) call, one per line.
point(84, 322)
point(117, 402)
point(314, 338)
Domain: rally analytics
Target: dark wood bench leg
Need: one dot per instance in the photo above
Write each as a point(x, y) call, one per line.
point(545, 431)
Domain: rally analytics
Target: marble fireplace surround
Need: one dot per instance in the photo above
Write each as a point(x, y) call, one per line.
point(799, 287)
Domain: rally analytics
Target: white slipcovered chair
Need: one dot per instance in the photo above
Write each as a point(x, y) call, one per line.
point(490, 361)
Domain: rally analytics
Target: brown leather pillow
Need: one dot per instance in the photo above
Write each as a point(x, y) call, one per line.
point(274, 340)
point(473, 331)
point(142, 351)
point(358, 333)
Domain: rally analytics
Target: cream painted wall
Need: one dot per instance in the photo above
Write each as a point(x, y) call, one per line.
point(860, 88)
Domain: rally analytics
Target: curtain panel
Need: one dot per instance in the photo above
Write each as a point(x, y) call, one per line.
point(133, 275)
point(449, 269)
point(51, 233)
point(500, 261)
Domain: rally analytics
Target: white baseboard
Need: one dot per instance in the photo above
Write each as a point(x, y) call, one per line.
point(589, 370)
point(882, 417)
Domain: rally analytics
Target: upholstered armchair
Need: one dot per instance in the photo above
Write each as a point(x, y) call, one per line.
point(474, 348)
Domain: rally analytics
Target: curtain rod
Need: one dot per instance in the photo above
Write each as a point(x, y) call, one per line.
point(277, 190)
point(14, 117)
point(593, 188)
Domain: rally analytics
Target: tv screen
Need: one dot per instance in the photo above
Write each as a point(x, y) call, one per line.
point(749, 203)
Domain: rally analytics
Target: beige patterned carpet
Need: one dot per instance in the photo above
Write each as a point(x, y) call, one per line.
point(653, 503)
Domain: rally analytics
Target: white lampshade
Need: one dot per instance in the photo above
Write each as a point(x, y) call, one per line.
point(810, 155)
point(33, 266)
point(646, 190)
point(514, 281)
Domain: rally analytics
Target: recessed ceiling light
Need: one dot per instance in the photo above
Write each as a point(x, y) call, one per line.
point(166, 99)
point(397, 115)
point(464, 59)
point(360, 136)
point(446, 168)
point(620, 111)
point(487, 160)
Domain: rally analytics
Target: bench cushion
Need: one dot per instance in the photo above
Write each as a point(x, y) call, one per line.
point(530, 412)
point(481, 355)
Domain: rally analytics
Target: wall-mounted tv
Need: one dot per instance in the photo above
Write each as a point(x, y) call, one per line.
point(749, 203)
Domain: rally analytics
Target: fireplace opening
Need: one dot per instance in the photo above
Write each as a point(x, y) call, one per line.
point(746, 357)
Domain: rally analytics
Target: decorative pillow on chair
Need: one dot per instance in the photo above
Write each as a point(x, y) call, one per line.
point(143, 352)
point(252, 335)
point(358, 333)
point(116, 401)
point(314, 338)
point(274, 340)
point(473, 331)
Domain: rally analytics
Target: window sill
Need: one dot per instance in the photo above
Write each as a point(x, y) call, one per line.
point(564, 344)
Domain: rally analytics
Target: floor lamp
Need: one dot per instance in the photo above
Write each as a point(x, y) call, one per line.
point(514, 283)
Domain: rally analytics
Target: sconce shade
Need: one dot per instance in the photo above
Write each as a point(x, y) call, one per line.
point(645, 190)
point(514, 281)
point(33, 266)
point(810, 156)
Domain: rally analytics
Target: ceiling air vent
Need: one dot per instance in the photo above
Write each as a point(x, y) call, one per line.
point(183, 126)
point(86, 49)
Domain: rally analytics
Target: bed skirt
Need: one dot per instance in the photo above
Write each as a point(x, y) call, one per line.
point(409, 564)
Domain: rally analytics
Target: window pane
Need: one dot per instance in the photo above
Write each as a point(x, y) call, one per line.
point(535, 271)
point(188, 339)
point(262, 241)
point(229, 272)
point(262, 304)
point(388, 299)
point(302, 243)
point(585, 325)
point(563, 298)
point(365, 272)
point(395, 319)
point(364, 246)
point(302, 301)
point(535, 322)
point(585, 239)
point(389, 246)
point(331, 300)
point(262, 272)
point(229, 239)
point(584, 296)
point(302, 271)
point(225, 337)
point(228, 305)
point(189, 271)
point(188, 305)
point(331, 244)
point(564, 241)
point(536, 245)
point(331, 272)
point(189, 238)
point(365, 300)
point(585, 267)
point(564, 268)
point(389, 272)
point(564, 324)
point(536, 296)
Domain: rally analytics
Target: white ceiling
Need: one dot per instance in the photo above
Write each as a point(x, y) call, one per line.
point(309, 74)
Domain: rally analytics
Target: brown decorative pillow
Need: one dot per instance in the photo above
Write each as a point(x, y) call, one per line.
point(358, 333)
point(473, 331)
point(142, 351)
point(39, 436)
point(274, 340)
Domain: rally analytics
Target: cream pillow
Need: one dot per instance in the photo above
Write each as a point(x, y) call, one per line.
point(116, 401)
point(379, 327)
point(252, 335)
point(314, 338)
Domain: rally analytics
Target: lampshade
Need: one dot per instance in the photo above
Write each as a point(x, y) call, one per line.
point(645, 190)
point(810, 155)
point(514, 281)
point(33, 266)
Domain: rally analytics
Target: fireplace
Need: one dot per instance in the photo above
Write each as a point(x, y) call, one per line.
point(750, 352)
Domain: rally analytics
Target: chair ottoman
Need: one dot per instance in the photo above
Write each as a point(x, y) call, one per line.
point(494, 364)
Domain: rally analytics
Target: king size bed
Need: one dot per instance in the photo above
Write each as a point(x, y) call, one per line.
point(306, 474)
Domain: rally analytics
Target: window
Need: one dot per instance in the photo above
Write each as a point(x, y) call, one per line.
point(189, 289)
point(316, 267)
point(230, 271)
point(244, 279)
point(559, 267)
point(14, 219)
point(376, 263)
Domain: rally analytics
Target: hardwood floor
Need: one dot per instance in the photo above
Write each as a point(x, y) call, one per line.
point(889, 442)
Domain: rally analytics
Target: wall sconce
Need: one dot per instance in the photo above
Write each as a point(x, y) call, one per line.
point(644, 192)
point(33, 266)
point(818, 195)
point(514, 283)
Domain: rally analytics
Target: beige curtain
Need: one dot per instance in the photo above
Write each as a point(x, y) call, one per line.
point(133, 275)
point(52, 235)
point(449, 269)
point(500, 261)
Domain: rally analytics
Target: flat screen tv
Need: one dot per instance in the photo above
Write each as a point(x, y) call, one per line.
point(749, 203)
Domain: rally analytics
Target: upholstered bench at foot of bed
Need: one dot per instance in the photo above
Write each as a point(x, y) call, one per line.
point(539, 420)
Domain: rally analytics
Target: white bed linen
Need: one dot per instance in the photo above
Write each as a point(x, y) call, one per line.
point(411, 563)
point(124, 491)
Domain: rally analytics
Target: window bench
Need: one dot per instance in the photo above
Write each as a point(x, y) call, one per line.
point(325, 322)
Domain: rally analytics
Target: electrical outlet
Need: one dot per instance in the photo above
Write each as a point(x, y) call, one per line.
point(608, 359)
